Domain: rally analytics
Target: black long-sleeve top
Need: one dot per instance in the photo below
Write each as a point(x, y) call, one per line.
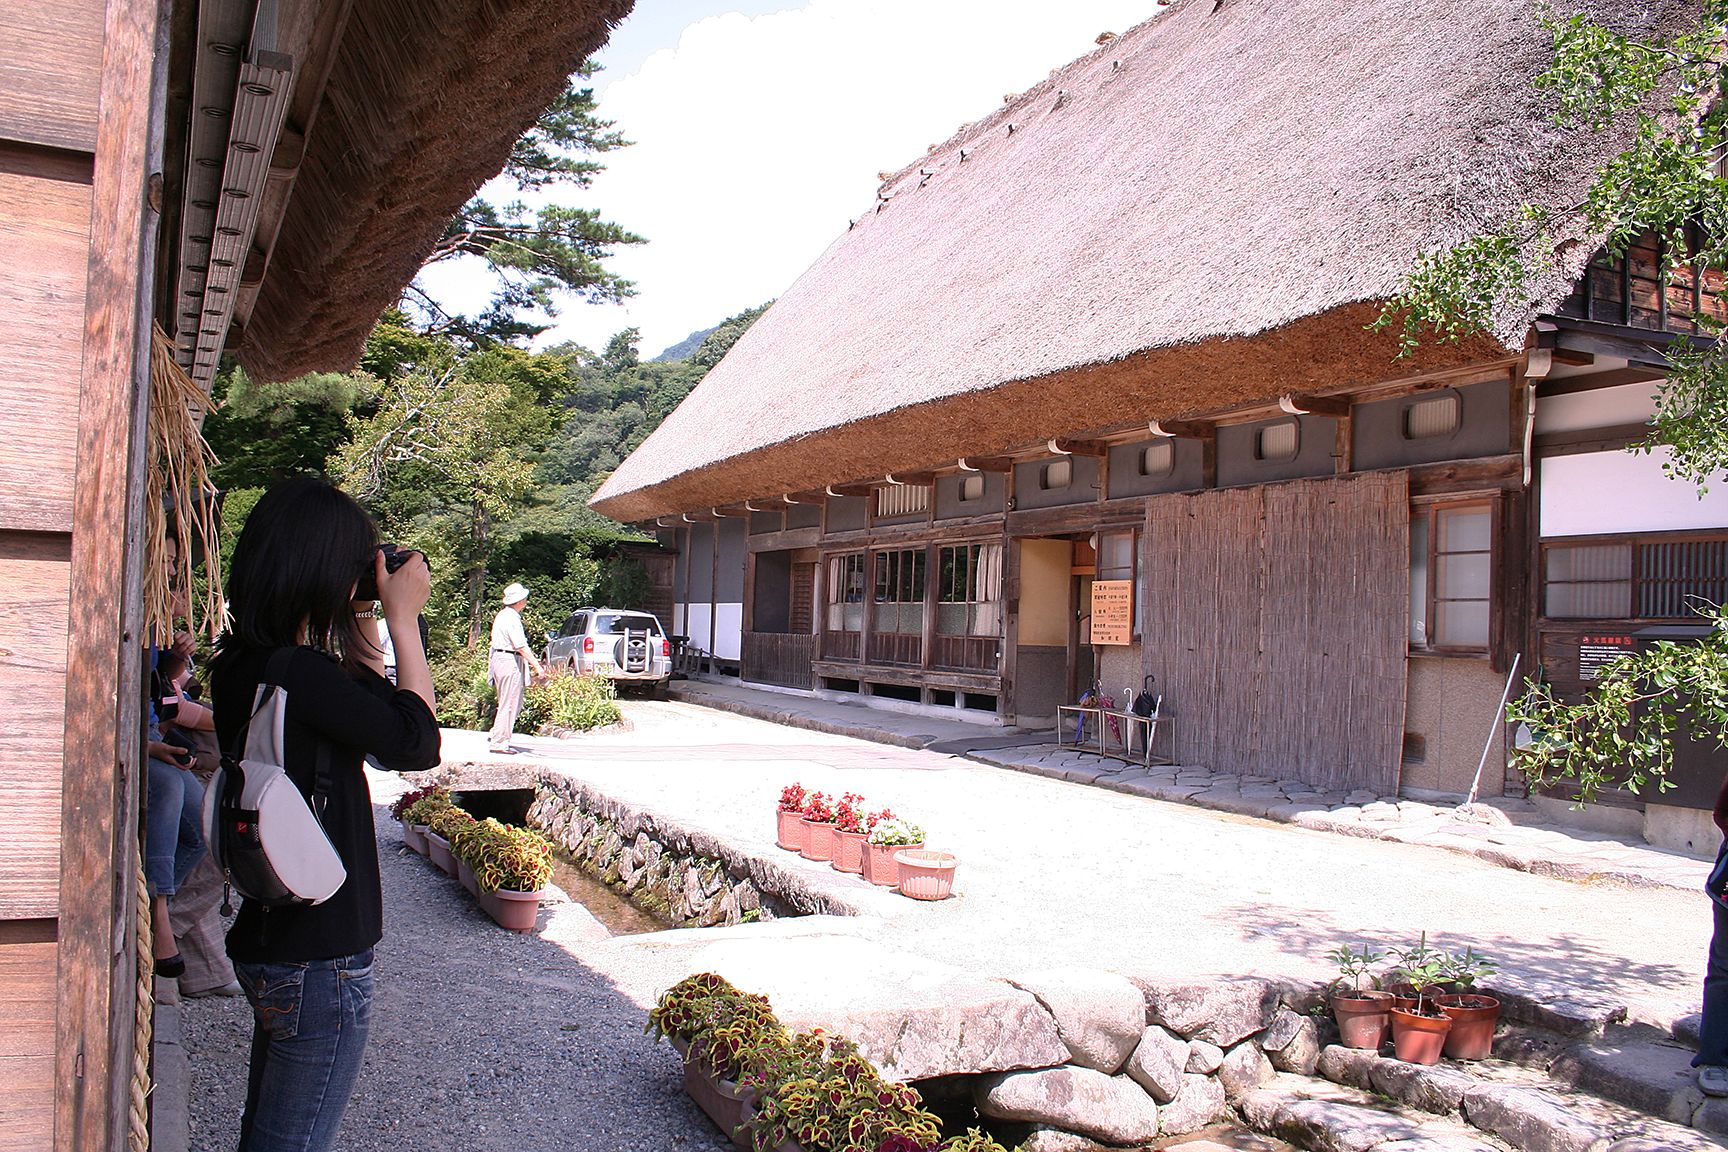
point(356, 714)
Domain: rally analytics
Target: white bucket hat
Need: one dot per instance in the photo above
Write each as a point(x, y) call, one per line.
point(515, 594)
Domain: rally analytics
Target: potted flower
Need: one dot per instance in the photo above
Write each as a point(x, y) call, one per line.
point(717, 1029)
point(890, 835)
point(1419, 1031)
point(851, 826)
point(1364, 1015)
point(817, 1091)
point(818, 827)
point(1474, 1013)
point(512, 871)
point(789, 831)
point(445, 824)
point(413, 808)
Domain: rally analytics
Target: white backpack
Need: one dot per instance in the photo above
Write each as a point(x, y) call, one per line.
point(262, 831)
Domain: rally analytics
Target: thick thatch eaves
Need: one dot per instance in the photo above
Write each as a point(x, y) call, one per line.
point(423, 103)
point(1200, 213)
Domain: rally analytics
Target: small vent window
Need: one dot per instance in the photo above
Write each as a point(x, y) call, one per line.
point(902, 499)
point(1158, 459)
point(1432, 417)
point(971, 488)
point(1056, 474)
point(1276, 442)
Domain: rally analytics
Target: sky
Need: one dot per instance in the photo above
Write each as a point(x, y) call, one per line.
point(759, 128)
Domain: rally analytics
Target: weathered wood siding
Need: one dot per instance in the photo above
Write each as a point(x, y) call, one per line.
point(1276, 620)
point(76, 94)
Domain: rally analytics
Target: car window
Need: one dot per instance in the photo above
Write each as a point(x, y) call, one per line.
point(572, 625)
point(610, 624)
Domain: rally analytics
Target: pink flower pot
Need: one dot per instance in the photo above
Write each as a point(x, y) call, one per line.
point(818, 840)
point(720, 1099)
point(414, 835)
point(516, 911)
point(848, 851)
point(438, 851)
point(880, 866)
point(789, 830)
point(926, 875)
point(465, 875)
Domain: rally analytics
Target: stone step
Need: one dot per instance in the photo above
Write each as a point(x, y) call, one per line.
point(1525, 1107)
point(1317, 1114)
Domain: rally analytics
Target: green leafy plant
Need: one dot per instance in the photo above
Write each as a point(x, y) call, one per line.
point(563, 700)
point(896, 832)
point(1353, 965)
point(973, 1140)
point(1465, 968)
point(504, 856)
point(820, 1092)
point(1422, 968)
point(449, 822)
point(419, 806)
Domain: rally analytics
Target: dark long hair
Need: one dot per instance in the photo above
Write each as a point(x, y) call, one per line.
point(302, 549)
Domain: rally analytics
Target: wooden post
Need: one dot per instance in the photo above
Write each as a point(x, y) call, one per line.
point(714, 597)
point(95, 1028)
point(1006, 710)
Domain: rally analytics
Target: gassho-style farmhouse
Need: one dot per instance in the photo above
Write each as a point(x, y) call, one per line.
point(1088, 394)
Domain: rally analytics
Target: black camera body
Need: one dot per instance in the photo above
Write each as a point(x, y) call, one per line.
point(394, 558)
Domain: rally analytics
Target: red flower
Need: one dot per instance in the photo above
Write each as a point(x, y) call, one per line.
point(792, 798)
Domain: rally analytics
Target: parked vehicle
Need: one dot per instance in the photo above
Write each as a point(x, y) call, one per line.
point(625, 646)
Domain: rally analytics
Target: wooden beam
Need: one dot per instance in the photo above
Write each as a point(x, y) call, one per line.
point(1183, 429)
point(290, 150)
point(1570, 356)
point(731, 512)
point(913, 478)
point(850, 489)
point(1567, 385)
point(986, 464)
point(1299, 404)
point(1065, 446)
point(817, 498)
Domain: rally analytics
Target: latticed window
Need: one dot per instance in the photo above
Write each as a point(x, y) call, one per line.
point(969, 590)
point(902, 500)
point(1451, 577)
point(900, 591)
point(845, 593)
point(1644, 579)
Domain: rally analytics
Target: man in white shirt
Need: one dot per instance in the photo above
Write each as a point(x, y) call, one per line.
point(509, 660)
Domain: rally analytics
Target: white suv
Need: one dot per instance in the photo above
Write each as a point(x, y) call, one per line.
point(622, 645)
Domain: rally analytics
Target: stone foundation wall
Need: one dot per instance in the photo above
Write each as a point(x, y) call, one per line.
point(662, 870)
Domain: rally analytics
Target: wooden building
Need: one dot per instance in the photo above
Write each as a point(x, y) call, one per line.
point(251, 176)
point(1116, 332)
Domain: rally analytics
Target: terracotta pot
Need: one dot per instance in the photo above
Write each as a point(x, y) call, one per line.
point(789, 830)
point(414, 835)
point(880, 866)
point(465, 874)
point(438, 851)
point(720, 1099)
point(516, 911)
point(848, 851)
point(818, 840)
point(1363, 1019)
point(1404, 995)
point(1474, 1017)
point(1418, 1039)
point(926, 875)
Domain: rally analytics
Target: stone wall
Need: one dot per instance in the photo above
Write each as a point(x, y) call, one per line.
point(662, 872)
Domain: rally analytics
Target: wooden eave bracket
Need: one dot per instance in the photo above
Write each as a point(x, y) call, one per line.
point(1066, 446)
point(1298, 404)
point(849, 489)
point(985, 464)
point(804, 498)
point(731, 512)
point(901, 479)
point(1183, 429)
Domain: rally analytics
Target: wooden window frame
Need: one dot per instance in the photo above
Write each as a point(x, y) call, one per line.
point(917, 558)
point(1432, 510)
point(1134, 568)
point(937, 587)
point(1638, 578)
point(833, 591)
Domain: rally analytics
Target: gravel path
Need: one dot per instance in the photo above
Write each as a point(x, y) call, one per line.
point(482, 1039)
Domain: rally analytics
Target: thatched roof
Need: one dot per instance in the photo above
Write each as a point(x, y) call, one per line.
point(422, 105)
point(1200, 213)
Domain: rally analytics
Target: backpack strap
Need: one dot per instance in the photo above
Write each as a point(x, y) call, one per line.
point(275, 672)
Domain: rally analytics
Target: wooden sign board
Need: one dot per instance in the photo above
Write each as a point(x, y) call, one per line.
point(1112, 611)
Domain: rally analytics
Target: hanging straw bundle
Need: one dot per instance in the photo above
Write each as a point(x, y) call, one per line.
point(179, 467)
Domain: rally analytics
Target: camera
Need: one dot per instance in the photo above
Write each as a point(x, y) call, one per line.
point(394, 558)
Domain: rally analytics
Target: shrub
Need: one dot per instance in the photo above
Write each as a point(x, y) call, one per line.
point(464, 686)
point(578, 703)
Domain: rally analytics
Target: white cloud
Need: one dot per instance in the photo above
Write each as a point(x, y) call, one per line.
point(757, 138)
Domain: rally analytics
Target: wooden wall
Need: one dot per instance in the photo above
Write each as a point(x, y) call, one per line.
point(1276, 620)
point(76, 93)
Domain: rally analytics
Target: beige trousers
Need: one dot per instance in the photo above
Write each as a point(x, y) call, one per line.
point(508, 675)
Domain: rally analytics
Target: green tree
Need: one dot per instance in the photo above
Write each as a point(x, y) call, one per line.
point(535, 253)
point(1668, 88)
point(262, 433)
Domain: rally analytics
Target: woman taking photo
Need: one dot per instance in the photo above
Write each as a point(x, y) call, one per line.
point(307, 969)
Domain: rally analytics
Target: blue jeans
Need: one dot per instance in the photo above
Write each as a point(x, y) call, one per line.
point(173, 827)
point(1713, 1032)
point(310, 1022)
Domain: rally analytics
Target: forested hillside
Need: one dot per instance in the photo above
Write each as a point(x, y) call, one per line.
point(481, 457)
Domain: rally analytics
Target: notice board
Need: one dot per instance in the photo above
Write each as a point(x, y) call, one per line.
point(1112, 611)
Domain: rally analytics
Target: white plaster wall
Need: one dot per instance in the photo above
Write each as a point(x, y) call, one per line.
point(1595, 493)
point(727, 640)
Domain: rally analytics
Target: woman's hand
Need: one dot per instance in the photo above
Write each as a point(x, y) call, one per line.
point(404, 592)
point(170, 753)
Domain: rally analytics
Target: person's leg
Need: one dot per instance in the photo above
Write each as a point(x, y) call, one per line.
point(189, 839)
point(311, 1021)
point(507, 677)
point(162, 808)
point(198, 930)
point(1713, 1031)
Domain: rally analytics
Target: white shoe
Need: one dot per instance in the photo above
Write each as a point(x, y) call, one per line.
point(1713, 1080)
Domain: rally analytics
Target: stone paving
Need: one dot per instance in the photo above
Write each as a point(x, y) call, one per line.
point(1508, 832)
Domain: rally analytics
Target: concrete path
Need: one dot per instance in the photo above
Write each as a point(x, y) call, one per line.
point(1054, 872)
point(1509, 832)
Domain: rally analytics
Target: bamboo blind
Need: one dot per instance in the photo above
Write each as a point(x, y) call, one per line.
point(1276, 621)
